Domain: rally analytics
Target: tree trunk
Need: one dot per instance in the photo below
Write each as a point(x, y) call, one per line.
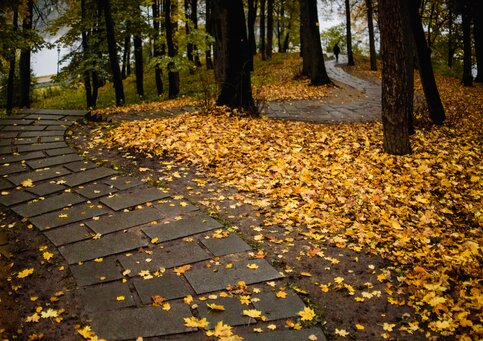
point(189, 45)
point(350, 56)
point(262, 30)
point(11, 71)
point(252, 15)
point(286, 41)
point(232, 55)
point(436, 110)
point(171, 27)
point(478, 35)
point(370, 26)
point(138, 60)
point(156, 47)
point(269, 28)
point(209, 29)
point(126, 52)
point(304, 37)
point(430, 23)
point(466, 22)
point(25, 55)
point(85, 50)
point(450, 38)
point(397, 76)
point(112, 48)
point(194, 20)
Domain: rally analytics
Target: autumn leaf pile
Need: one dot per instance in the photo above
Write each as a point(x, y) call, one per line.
point(149, 107)
point(334, 184)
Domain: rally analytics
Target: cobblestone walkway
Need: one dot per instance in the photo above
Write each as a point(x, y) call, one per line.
point(129, 244)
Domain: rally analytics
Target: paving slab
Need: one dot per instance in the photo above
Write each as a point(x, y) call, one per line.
point(12, 168)
point(279, 308)
point(57, 128)
point(60, 151)
point(130, 198)
point(177, 254)
point(232, 315)
point(46, 188)
point(16, 197)
point(39, 175)
point(48, 205)
point(187, 226)
point(226, 246)
point(4, 184)
point(204, 280)
point(169, 286)
point(123, 182)
point(40, 146)
point(124, 220)
point(51, 139)
point(104, 297)
point(141, 322)
point(47, 122)
point(173, 208)
point(8, 134)
point(287, 335)
point(80, 166)
point(57, 112)
point(76, 179)
point(42, 117)
point(68, 216)
point(95, 190)
point(68, 234)
point(5, 142)
point(106, 245)
point(21, 157)
point(15, 122)
point(93, 272)
point(53, 161)
point(23, 128)
point(41, 133)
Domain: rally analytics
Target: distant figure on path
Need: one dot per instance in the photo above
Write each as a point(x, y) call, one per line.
point(336, 52)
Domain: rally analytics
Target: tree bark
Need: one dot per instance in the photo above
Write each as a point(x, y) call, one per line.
point(85, 49)
point(466, 22)
point(478, 35)
point(397, 76)
point(112, 48)
point(436, 110)
point(269, 28)
point(350, 55)
point(262, 30)
point(11, 71)
point(304, 37)
point(370, 26)
point(138, 60)
point(194, 20)
point(25, 56)
point(209, 30)
point(232, 55)
point(171, 27)
point(252, 15)
point(156, 47)
point(450, 38)
point(126, 51)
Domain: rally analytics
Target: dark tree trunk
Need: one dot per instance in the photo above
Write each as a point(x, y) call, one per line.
point(304, 37)
point(451, 49)
point(397, 76)
point(189, 45)
point(350, 55)
point(232, 55)
point(262, 30)
point(171, 27)
point(25, 55)
point(286, 41)
point(194, 20)
point(269, 28)
point(252, 15)
point(156, 47)
point(138, 59)
point(209, 29)
point(478, 35)
point(430, 23)
point(11, 71)
point(466, 22)
point(126, 52)
point(112, 48)
point(370, 26)
point(85, 49)
point(436, 110)
point(318, 74)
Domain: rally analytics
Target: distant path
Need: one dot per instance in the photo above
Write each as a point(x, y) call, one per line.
point(365, 109)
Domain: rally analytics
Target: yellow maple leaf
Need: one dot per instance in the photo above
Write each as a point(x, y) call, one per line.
point(253, 313)
point(188, 299)
point(306, 274)
point(35, 317)
point(252, 266)
point(120, 298)
point(47, 255)
point(341, 332)
point(388, 326)
point(272, 326)
point(245, 299)
point(220, 330)
point(86, 332)
point(193, 322)
point(25, 273)
point(281, 294)
point(166, 306)
point(360, 326)
point(49, 313)
point(307, 314)
point(27, 183)
point(182, 269)
point(214, 306)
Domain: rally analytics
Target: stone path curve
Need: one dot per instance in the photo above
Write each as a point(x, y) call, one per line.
point(123, 240)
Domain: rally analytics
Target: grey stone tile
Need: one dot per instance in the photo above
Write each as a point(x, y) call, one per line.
point(60, 151)
point(53, 161)
point(205, 280)
point(93, 272)
point(179, 253)
point(40, 146)
point(141, 322)
point(123, 182)
point(232, 315)
point(39, 175)
point(226, 246)
point(57, 128)
point(129, 198)
point(173, 208)
point(46, 188)
point(86, 176)
point(41, 133)
point(80, 166)
point(44, 139)
point(4, 184)
point(42, 117)
point(68, 234)
point(169, 286)
point(16, 197)
point(8, 134)
point(15, 122)
point(47, 122)
point(286, 335)
point(96, 190)
point(181, 228)
point(103, 297)
point(279, 308)
point(21, 157)
point(5, 142)
point(23, 128)
point(48, 205)
point(57, 112)
point(123, 220)
point(68, 216)
point(107, 245)
point(12, 168)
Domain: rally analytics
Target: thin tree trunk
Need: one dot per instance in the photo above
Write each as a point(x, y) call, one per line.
point(430, 23)
point(112, 48)
point(138, 60)
point(286, 41)
point(350, 55)
point(478, 35)
point(171, 27)
point(304, 37)
point(194, 20)
point(450, 37)
point(269, 28)
point(466, 22)
point(262, 30)
point(397, 76)
point(436, 110)
point(252, 15)
point(370, 26)
point(209, 29)
point(156, 48)
point(85, 49)
point(126, 52)
point(25, 55)
point(11, 71)
point(189, 45)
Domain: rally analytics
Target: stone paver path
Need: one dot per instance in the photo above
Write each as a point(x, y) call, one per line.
point(129, 244)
